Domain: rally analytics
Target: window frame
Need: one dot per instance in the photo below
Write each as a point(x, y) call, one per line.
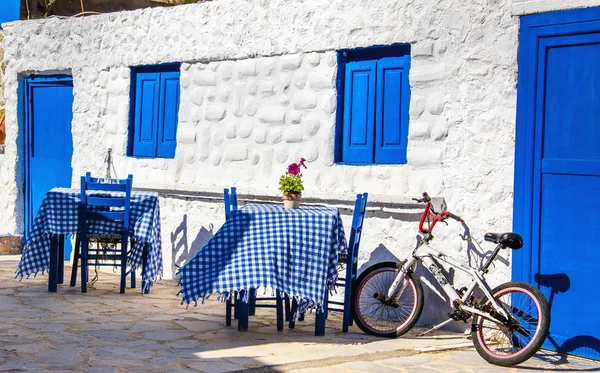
point(164, 73)
point(374, 53)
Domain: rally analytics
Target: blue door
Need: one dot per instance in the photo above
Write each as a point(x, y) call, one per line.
point(49, 143)
point(557, 172)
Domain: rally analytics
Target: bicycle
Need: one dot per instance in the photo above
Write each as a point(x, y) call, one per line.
point(508, 325)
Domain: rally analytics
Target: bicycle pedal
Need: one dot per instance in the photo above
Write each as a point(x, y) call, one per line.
point(459, 315)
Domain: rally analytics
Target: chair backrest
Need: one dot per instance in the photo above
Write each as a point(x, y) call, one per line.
point(360, 207)
point(102, 206)
point(231, 202)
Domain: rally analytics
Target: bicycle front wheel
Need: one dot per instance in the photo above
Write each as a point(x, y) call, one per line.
point(514, 340)
point(375, 317)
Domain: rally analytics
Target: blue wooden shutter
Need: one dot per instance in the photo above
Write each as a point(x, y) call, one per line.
point(359, 117)
point(393, 97)
point(146, 114)
point(168, 114)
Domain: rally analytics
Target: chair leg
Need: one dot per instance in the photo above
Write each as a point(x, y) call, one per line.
point(133, 284)
point(84, 263)
point(236, 305)
point(347, 321)
point(321, 318)
point(279, 310)
point(228, 307)
point(76, 256)
point(123, 265)
point(61, 258)
point(252, 302)
point(301, 316)
point(288, 308)
point(242, 312)
point(293, 310)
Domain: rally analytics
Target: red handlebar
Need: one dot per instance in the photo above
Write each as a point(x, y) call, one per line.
point(436, 217)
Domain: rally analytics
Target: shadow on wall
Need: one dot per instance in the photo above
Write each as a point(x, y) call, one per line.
point(181, 251)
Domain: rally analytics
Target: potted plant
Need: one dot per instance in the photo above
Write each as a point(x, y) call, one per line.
point(291, 185)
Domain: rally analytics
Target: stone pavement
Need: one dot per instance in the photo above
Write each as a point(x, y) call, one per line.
point(104, 331)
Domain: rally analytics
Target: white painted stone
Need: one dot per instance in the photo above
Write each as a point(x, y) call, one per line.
point(236, 152)
point(197, 96)
point(252, 88)
point(267, 88)
point(218, 137)
point(291, 62)
point(247, 69)
point(230, 130)
point(299, 79)
point(224, 94)
point(211, 94)
point(313, 58)
point(251, 107)
point(422, 48)
point(274, 135)
point(215, 113)
point(226, 71)
point(418, 130)
point(260, 135)
point(268, 67)
point(205, 78)
point(245, 130)
point(435, 104)
point(295, 116)
point(271, 115)
point(186, 135)
point(293, 135)
point(305, 100)
point(320, 80)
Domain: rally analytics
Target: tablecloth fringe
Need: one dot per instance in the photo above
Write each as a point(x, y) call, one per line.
point(20, 276)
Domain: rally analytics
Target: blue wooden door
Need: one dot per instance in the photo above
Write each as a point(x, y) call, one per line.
point(557, 175)
point(49, 143)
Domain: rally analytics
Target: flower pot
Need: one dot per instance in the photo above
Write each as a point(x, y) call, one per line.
point(292, 201)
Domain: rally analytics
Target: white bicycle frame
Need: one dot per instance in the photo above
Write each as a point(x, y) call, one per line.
point(430, 259)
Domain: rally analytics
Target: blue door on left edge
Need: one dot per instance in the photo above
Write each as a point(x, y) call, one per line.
point(49, 142)
point(557, 172)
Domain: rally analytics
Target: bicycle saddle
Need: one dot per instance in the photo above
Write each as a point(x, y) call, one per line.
point(512, 240)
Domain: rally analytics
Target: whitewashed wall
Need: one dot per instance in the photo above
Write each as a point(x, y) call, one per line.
point(258, 92)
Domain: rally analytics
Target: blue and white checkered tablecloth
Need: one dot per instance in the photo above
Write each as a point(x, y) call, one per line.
point(58, 214)
point(293, 251)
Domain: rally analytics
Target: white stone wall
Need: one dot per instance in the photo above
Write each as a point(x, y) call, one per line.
point(258, 91)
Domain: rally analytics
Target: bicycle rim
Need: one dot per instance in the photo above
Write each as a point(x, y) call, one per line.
point(509, 342)
point(381, 319)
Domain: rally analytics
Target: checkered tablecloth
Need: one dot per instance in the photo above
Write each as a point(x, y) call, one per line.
point(293, 251)
point(58, 214)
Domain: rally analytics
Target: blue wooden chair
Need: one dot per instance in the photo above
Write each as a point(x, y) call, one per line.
point(349, 265)
point(241, 310)
point(103, 207)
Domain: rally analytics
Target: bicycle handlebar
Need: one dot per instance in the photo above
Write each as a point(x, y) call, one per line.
point(429, 211)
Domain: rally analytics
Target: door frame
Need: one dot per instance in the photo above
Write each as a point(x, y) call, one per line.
point(527, 205)
point(29, 82)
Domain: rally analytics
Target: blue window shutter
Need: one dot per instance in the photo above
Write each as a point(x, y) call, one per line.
point(168, 115)
point(146, 114)
point(393, 97)
point(359, 116)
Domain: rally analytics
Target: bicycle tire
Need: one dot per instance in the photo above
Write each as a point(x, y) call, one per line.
point(374, 317)
point(507, 345)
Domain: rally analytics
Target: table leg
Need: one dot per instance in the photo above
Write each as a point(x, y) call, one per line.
point(242, 312)
point(144, 261)
point(53, 270)
point(61, 258)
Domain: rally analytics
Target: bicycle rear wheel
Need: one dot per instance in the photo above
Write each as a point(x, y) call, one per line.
point(373, 316)
point(515, 340)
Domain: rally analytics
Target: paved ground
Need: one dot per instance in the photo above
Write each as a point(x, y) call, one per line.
point(104, 331)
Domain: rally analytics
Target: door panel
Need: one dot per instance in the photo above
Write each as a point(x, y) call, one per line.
point(49, 108)
point(557, 172)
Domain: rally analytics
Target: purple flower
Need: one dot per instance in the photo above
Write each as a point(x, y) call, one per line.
point(302, 160)
point(293, 169)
